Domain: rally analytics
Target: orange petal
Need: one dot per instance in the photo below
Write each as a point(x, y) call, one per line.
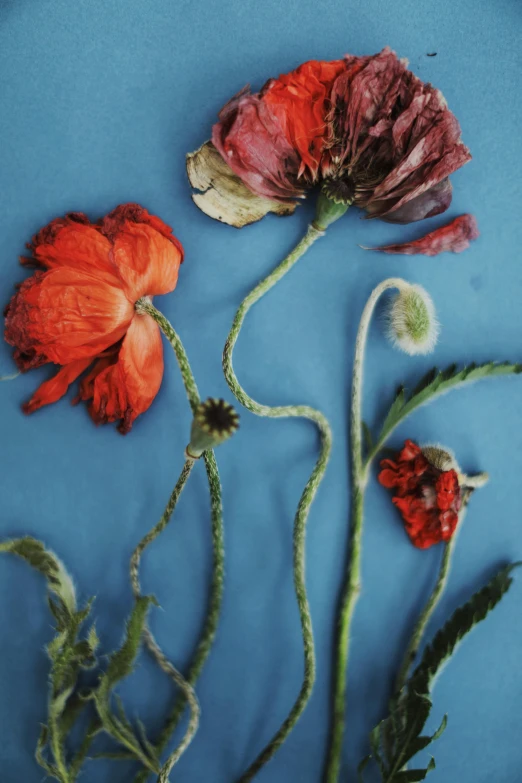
point(72, 242)
point(123, 386)
point(147, 260)
point(53, 389)
point(63, 315)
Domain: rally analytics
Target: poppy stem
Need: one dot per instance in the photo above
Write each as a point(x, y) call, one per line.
point(208, 633)
point(9, 377)
point(352, 585)
point(301, 518)
point(425, 616)
point(150, 641)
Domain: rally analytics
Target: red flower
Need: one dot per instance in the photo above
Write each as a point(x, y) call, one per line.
point(80, 307)
point(428, 497)
point(393, 141)
point(274, 140)
point(376, 134)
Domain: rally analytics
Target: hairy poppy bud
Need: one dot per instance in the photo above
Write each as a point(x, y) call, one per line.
point(412, 323)
point(215, 421)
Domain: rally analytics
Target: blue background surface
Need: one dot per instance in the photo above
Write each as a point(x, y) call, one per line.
point(99, 102)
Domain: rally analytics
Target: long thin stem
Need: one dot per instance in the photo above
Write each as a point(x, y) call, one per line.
point(305, 502)
point(425, 616)
point(352, 585)
point(209, 629)
point(149, 639)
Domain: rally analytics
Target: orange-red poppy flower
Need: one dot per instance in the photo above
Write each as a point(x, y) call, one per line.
point(79, 308)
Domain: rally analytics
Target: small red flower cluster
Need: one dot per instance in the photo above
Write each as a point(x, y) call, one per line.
point(428, 498)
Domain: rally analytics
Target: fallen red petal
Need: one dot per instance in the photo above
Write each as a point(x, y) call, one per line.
point(454, 237)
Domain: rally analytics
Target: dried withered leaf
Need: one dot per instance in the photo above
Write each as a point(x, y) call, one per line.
point(222, 195)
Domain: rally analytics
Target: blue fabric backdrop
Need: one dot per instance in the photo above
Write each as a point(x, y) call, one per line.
point(99, 103)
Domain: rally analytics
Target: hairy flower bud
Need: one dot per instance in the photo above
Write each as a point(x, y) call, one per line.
point(215, 421)
point(412, 323)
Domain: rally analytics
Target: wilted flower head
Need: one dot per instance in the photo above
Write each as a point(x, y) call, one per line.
point(429, 490)
point(78, 310)
point(393, 141)
point(371, 131)
point(214, 422)
point(412, 322)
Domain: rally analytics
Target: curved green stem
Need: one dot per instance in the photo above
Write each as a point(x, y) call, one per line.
point(352, 586)
point(425, 616)
point(208, 632)
point(306, 498)
point(148, 637)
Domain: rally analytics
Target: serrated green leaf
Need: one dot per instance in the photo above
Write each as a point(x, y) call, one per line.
point(463, 620)
point(395, 410)
point(367, 437)
point(39, 753)
point(43, 560)
point(440, 731)
point(82, 753)
point(409, 710)
point(362, 766)
point(121, 664)
point(411, 775)
point(435, 383)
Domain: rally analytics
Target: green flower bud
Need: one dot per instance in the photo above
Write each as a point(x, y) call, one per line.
point(215, 421)
point(412, 323)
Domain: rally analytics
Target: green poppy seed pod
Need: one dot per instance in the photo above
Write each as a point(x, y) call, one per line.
point(412, 323)
point(215, 421)
point(328, 210)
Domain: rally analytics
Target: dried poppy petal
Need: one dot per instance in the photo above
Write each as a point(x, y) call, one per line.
point(123, 385)
point(222, 195)
point(52, 390)
point(251, 140)
point(301, 100)
point(453, 237)
point(392, 140)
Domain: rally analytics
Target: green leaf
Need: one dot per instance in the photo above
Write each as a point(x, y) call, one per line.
point(464, 619)
point(367, 437)
point(435, 383)
point(362, 766)
point(121, 664)
point(81, 755)
point(414, 775)
point(43, 560)
point(401, 732)
point(39, 753)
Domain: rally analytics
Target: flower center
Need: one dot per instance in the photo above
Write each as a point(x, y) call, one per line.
point(340, 189)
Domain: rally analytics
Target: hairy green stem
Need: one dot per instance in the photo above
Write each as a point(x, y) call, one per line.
point(57, 748)
point(352, 585)
point(305, 502)
point(148, 637)
point(208, 632)
point(425, 616)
